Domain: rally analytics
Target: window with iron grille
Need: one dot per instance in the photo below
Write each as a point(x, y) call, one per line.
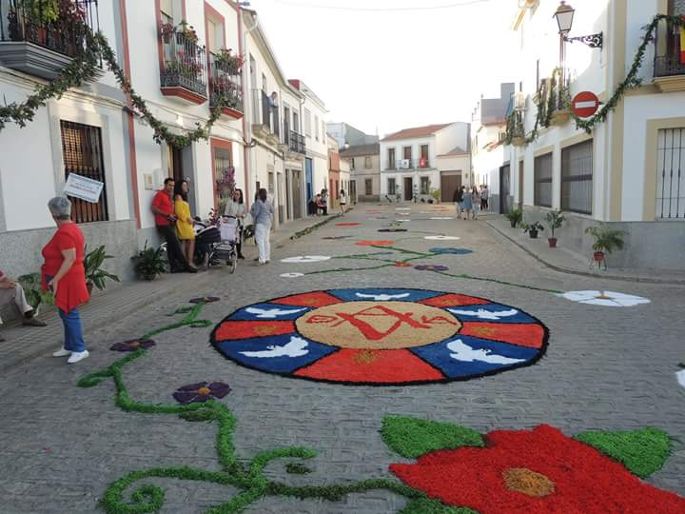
point(576, 178)
point(368, 186)
point(670, 191)
point(391, 186)
point(425, 185)
point(543, 180)
point(82, 152)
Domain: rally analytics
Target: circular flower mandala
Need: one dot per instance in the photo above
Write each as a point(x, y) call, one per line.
point(605, 298)
point(201, 392)
point(303, 259)
point(380, 336)
point(132, 345)
point(292, 275)
point(442, 238)
point(539, 471)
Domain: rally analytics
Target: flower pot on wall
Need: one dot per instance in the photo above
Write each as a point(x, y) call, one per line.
point(552, 242)
point(598, 256)
point(518, 141)
point(533, 233)
point(560, 117)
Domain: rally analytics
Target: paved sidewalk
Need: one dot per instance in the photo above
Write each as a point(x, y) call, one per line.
point(117, 302)
point(567, 261)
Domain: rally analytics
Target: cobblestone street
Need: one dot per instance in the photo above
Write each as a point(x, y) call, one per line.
point(605, 368)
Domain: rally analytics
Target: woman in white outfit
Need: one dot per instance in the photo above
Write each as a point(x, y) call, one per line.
point(236, 207)
point(262, 212)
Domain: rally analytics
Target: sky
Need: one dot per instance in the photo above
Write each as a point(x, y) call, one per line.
point(385, 65)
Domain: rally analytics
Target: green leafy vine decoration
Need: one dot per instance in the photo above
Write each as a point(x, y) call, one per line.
point(514, 127)
point(248, 476)
point(85, 68)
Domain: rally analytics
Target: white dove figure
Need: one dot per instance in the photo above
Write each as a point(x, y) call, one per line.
point(382, 297)
point(296, 347)
point(270, 313)
point(486, 314)
point(463, 352)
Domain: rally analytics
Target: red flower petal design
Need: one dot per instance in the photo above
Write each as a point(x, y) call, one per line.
point(564, 477)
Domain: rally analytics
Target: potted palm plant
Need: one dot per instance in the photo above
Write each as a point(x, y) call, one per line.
point(515, 216)
point(149, 262)
point(95, 275)
point(533, 229)
point(554, 219)
point(606, 241)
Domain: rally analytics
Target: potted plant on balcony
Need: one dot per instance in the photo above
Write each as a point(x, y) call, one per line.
point(533, 229)
point(515, 216)
point(188, 32)
point(167, 30)
point(226, 61)
point(606, 241)
point(33, 17)
point(554, 219)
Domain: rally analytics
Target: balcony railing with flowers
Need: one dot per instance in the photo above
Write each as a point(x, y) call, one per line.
point(667, 56)
point(184, 64)
point(224, 82)
point(56, 25)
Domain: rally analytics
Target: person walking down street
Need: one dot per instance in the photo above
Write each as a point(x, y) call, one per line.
point(475, 201)
point(324, 201)
point(165, 219)
point(262, 211)
point(343, 201)
point(184, 222)
point(11, 293)
point(458, 200)
point(484, 198)
point(64, 274)
point(236, 207)
point(467, 202)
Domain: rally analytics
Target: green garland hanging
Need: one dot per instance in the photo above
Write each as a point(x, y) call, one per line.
point(514, 127)
point(85, 68)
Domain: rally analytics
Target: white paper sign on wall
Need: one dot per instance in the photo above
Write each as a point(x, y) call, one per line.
point(83, 187)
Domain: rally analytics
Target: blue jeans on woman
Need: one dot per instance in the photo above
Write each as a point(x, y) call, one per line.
point(73, 332)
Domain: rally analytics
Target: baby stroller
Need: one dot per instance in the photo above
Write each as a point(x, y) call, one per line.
point(207, 237)
point(226, 249)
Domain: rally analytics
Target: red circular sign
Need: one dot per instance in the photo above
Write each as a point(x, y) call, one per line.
point(585, 104)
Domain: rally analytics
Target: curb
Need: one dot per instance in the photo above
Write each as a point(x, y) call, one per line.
point(561, 269)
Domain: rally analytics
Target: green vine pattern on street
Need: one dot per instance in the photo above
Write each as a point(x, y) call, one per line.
point(515, 130)
point(248, 476)
point(86, 68)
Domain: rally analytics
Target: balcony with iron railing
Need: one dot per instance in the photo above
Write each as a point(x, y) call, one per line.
point(669, 66)
point(225, 86)
point(296, 143)
point(183, 72)
point(41, 38)
point(423, 163)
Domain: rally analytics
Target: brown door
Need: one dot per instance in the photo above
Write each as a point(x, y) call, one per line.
point(297, 194)
point(449, 183)
point(408, 188)
point(520, 185)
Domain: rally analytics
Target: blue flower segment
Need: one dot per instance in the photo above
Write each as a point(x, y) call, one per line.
point(450, 251)
point(381, 336)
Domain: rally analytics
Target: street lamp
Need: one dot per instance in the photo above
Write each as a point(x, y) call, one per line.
point(564, 16)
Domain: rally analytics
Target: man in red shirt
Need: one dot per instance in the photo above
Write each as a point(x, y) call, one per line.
point(12, 292)
point(163, 208)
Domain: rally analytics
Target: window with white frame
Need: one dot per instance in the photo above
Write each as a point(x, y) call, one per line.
point(367, 162)
point(368, 187)
point(307, 123)
point(576, 178)
point(670, 190)
point(316, 127)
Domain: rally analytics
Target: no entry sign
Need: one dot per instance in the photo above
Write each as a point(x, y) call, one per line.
point(585, 104)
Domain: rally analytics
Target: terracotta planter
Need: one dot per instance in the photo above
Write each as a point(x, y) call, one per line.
point(560, 117)
point(598, 256)
point(518, 141)
point(552, 242)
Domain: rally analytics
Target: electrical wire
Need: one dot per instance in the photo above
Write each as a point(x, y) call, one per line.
point(382, 9)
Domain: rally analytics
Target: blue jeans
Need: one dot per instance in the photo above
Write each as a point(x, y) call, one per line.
point(73, 333)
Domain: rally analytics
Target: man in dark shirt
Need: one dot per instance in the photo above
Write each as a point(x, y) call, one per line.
point(163, 208)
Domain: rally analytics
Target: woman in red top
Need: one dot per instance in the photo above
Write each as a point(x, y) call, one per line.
point(63, 272)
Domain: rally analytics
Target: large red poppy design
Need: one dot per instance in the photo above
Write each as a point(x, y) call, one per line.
point(539, 471)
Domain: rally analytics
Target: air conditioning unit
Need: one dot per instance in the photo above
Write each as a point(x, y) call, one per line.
point(520, 101)
point(404, 164)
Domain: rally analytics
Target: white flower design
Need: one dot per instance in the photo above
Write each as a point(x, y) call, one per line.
point(605, 298)
point(442, 238)
point(441, 218)
point(292, 275)
point(306, 258)
point(403, 220)
point(680, 377)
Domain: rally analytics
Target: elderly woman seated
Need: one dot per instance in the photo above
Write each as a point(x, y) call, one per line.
point(11, 293)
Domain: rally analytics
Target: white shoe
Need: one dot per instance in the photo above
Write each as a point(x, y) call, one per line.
point(77, 356)
point(62, 352)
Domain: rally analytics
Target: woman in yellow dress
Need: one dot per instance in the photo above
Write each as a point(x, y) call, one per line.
point(184, 223)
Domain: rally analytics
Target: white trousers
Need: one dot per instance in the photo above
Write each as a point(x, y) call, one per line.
point(17, 296)
point(261, 235)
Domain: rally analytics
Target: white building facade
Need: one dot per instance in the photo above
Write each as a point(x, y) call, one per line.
point(422, 163)
point(625, 170)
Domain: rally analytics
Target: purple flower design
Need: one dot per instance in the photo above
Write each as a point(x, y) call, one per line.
point(201, 392)
point(132, 345)
point(452, 251)
point(431, 267)
point(205, 299)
